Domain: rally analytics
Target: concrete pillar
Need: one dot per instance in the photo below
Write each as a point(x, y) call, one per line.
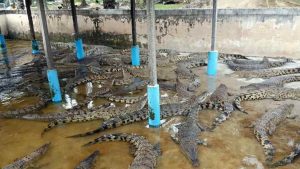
point(153, 87)
point(213, 53)
point(135, 50)
point(78, 41)
point(51, 72)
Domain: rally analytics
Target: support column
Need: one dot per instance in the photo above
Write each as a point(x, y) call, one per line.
point(51, 72)
point(3, 48)
point(153, 87)
point(34, 43)
point(213, 53)
point(78, 41)
point(135, 50)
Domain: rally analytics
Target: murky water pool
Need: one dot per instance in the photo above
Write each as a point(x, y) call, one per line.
point(227, 146)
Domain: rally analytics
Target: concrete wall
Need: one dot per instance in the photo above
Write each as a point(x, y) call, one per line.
point(273, 32)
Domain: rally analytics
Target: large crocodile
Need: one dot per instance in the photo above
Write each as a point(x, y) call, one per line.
point(104, 113)
point(146, 154)
point(266, 125)
point(274, 93)
point(267, 73)
point(88, 162)
point(187, 136)
point(272, 82)
point(61, 115)
point(167, 110)
point(288, 159)
point(27, 160)
point(264, 65)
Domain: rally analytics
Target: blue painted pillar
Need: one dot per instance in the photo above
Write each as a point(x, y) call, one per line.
point(54, 85)
point(154, 105)
point(35, 47)
point(34, 43)
point(78, 41)
point(135, 50)
point(212, 63)
point(135, 55)
point(79, 49)
point(3, 48)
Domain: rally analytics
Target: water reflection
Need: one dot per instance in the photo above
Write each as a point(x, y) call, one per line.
point(6, 63)
point(211, 83)
point(70, 103)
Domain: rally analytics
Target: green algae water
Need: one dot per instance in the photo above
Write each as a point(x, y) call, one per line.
point(228, 146)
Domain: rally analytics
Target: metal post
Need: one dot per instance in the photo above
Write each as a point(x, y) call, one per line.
point(78, 41)
point(51, 73)
point(153, 87)
point(213, 54)
point(135, 51)
point(34, 43)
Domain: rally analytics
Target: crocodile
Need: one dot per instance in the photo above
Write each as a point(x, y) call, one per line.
point(127, 79)
point(227, 56)
point(265, 60)
point(167, 110)
point(221, 95)
point(126, 99)
point(272, 82)
point(90, 78)
point(61, 115)
point(43, 102)
point(108, 69)
point(105, 113)
point(88, 163)
point(267, 73)
point(136, 85)
point(26, 161)
point(267, 65)
point(288, 159)
point(187, 137)
point(274, 93)
point(266, 125)
point(183, 72)
point(146, 154)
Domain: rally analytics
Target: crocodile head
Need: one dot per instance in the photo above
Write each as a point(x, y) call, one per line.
point(191, 151)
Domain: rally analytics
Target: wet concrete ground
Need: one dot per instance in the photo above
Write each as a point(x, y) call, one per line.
point(227, 146)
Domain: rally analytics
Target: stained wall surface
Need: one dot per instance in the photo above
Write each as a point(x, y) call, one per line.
point(271, 32)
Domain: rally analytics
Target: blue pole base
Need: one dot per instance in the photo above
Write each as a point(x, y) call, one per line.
point(135, 55)
point(35, 47)
point(54, 85)
point(79, 49)
point(3, 48)
point(154, 105)
point(212, 63)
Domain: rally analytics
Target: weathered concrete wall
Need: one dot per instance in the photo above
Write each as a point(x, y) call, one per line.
point(273, 32)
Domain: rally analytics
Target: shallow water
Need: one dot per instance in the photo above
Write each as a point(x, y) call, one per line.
point(227, 146)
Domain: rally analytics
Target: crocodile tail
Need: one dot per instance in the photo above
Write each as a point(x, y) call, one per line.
point(111, 137)
point(269, 149)
point(221, 118)
point(288, 159)
point(98, 130)
point(55, 123)
point(237, 103)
